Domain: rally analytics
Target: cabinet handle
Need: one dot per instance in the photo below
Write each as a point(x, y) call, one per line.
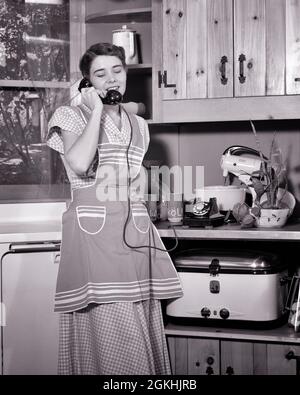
point(224, 79)
point(242, 77)
point(229, 371)
point(30, 246)
point(291, 355)
point(163, 79)
point(56, 258)
point(297, 79)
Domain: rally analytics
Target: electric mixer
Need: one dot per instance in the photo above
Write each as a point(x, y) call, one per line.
point(242, 162)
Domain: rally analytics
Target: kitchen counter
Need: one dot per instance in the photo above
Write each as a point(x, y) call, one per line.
point(51, 230)
point(282, 334)
point(290, 232)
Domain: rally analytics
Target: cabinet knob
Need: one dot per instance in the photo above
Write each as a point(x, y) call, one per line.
point(209, 370)
point(210, 361)
point(229, 371)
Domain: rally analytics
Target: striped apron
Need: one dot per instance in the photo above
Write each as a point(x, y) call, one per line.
point(97, 265)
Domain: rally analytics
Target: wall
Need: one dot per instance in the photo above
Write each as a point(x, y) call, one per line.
point(204, 143)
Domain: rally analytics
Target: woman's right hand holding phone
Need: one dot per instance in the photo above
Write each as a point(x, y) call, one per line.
point(90, 97)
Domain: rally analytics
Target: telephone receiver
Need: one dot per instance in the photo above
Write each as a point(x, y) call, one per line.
point(112, 97)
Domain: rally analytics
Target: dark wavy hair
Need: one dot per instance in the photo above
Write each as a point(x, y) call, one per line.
point(100, 49)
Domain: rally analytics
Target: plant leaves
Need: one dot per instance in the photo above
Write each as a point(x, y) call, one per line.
point(255, 211)
point(258, 186)
point(248, 221)
point(240, 210)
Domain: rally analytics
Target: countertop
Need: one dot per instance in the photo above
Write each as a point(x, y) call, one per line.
point(282, 334)
point(51, 230)
point(231, 231)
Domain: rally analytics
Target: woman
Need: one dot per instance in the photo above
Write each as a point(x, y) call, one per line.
point(110, 281)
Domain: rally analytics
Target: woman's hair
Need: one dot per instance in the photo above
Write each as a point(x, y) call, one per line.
point(100, 49)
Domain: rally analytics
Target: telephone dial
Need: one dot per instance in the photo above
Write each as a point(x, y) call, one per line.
point(112, 97)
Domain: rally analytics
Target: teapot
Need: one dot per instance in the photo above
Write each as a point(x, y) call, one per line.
point(126, 38)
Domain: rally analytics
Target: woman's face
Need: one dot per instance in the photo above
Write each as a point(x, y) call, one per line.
point(107, 72)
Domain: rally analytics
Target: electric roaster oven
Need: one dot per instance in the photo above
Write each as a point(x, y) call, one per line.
point(244, 287)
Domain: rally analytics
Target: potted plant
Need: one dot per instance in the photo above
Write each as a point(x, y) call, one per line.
point(273, 203)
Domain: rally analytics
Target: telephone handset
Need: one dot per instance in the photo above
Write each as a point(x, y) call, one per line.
point(112, 97)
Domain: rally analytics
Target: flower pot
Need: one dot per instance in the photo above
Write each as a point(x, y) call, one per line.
point(272, 218)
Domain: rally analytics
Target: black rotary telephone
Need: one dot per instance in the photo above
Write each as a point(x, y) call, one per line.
point(112, 97)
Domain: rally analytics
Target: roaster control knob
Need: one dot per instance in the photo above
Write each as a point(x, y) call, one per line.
point(224, 313)
point(205, 312)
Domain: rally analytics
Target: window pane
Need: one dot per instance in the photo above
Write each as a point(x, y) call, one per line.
point(34, 41)
point(24, 157)
point(34, 49)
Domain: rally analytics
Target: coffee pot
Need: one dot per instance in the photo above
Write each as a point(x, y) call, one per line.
point(126, 38)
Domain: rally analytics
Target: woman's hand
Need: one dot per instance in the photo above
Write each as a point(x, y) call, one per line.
point(90, 97)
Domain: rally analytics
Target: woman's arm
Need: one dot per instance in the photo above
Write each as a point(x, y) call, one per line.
point(135, 108)
point(80, 150)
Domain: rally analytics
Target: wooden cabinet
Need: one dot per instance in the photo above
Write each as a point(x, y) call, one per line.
point(225, 355)
point(245, 52)
point(108, 15)
point(194, 356)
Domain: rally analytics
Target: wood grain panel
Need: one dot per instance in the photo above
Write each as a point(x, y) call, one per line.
point(275, 41)
point(174, 47)
point(249, 36)
point(232, 109)
point(157, 59)
point(196, 49)
point(181, 355)
point(236, 358)
point(292, 47)
point(199, 350)
point(278, 364)
point(171, 341)
point(260, 359)
point(220, 43)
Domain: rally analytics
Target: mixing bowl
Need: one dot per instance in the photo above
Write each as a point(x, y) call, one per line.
point(227, 196)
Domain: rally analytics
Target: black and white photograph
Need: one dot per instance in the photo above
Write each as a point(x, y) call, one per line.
point(149, 191)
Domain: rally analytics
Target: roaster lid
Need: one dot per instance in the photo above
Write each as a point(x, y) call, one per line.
point(225, 261)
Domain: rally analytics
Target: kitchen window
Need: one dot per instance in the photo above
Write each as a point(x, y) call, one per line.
point(35, 78)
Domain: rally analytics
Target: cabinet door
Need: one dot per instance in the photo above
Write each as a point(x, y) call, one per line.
point(197, 38)
point(292, 47)
point(275, 47)
point(194, 356)
point(174, 48)
point(220, 48)
point(250, 47)
point(236, 358)
point(279, 362)
point(30, 337)
point(203, 356)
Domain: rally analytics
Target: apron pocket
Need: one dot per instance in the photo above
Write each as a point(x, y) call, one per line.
point(91, 219)
point(140, 217)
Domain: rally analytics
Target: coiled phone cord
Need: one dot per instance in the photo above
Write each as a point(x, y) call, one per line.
point(129, 204)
